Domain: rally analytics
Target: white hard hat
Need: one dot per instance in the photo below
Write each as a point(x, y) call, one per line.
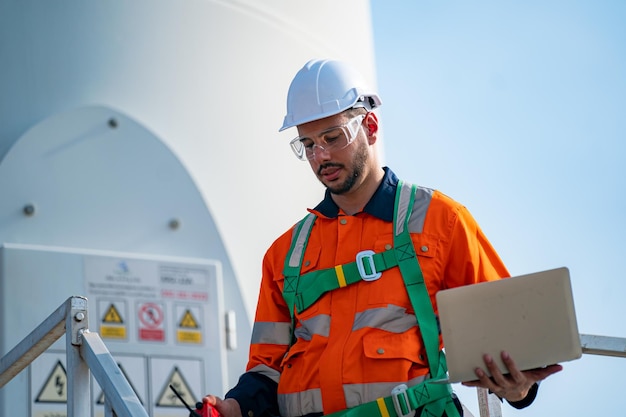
point(323, 88)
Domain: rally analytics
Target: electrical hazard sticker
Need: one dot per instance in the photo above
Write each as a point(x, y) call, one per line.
point(54, 389)
point(112, 315)
point(112, 319)
point(188, 327)
point(48, 385)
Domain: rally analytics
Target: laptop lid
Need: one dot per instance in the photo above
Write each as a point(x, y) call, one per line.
point(530, 316)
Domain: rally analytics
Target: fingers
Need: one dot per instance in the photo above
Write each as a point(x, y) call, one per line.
point(514, 385)
point(212, 399)
point(492, 383)
point(227, 408)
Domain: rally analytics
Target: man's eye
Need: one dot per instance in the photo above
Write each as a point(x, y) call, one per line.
point(332, 138)
point(307, 144)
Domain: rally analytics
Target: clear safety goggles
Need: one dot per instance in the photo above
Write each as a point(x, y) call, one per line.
point(329, 140)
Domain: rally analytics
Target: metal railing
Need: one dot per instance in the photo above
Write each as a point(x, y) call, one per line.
point(489, 405)
point(86, 355)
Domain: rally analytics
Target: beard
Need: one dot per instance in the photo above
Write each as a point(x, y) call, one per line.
point(358, 166)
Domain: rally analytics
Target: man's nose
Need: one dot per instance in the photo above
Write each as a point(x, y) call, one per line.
point(320, 154)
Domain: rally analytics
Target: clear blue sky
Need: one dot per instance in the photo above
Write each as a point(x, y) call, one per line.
point(518, 110)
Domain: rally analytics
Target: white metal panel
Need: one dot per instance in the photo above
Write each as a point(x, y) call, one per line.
point(209, 77)
point(197, 89)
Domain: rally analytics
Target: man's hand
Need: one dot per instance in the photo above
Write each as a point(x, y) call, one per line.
point(227, 408)
point(514, 386)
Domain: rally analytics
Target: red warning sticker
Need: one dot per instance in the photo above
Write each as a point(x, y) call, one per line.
point(151, 326)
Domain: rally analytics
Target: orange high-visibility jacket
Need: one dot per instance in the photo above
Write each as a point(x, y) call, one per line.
point(358, 342)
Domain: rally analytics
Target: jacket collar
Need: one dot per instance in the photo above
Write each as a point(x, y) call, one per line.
point(380, 205)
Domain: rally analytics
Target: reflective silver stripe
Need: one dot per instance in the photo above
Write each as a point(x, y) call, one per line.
point(357, 394)
point(319, 325)
point(273, 333)
point(301, 239)
point(273, 374)
point(403, 207)
point(421, 203)
point(391, 318)
point(300, 403)
point(310, 401)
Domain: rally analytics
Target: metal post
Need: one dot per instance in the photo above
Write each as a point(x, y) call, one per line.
point(488, 404)
point(78, 375)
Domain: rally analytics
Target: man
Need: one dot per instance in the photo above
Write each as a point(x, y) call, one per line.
point(344, 319)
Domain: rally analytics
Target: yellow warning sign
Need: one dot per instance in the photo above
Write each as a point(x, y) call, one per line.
point(55, 388)
point(188, 321)
point(112, 325)
point(186, 336)
point(112, 316)
point(113, 332)
point(188, 329)
point(167, 398)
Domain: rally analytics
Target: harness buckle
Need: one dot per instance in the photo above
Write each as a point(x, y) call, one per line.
point(361, 257)
point(401, 401)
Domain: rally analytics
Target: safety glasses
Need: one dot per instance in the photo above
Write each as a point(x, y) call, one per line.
point(328, 140)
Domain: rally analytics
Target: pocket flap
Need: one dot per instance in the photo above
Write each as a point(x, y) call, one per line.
point(393, 346)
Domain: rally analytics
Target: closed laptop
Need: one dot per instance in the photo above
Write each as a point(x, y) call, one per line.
point(531, 316)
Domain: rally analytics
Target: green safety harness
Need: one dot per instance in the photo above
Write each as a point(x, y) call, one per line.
point(434, 394)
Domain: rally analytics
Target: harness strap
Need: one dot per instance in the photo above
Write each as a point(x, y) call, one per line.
point(368, 267)
point(404, 401)
point(293, 264)
point(420, 298)
point(414, 280)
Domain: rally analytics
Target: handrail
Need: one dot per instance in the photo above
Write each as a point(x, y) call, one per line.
point(603, 345)
point(86, 353)
point(591, 345)
point(34, 344)
point(118, 392)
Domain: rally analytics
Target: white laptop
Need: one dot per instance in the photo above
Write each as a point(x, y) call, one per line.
point(530, 316)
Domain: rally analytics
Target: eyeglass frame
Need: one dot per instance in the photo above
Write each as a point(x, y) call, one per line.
point(349, 129)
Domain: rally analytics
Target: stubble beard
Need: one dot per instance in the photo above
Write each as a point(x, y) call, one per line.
point(358, 166)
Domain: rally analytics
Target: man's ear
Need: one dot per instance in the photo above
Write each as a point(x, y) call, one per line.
point(371, 126)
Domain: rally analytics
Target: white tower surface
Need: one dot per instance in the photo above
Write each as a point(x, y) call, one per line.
point(141, 166)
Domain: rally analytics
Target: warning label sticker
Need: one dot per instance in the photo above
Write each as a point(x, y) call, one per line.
point(48, 385)
point(186, 376)
point(168, 398)
point(113, 314)
point(54, 389)
point(151, 317)
point(188, 326)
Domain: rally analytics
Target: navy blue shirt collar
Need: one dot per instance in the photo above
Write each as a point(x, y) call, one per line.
point(380, 205)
